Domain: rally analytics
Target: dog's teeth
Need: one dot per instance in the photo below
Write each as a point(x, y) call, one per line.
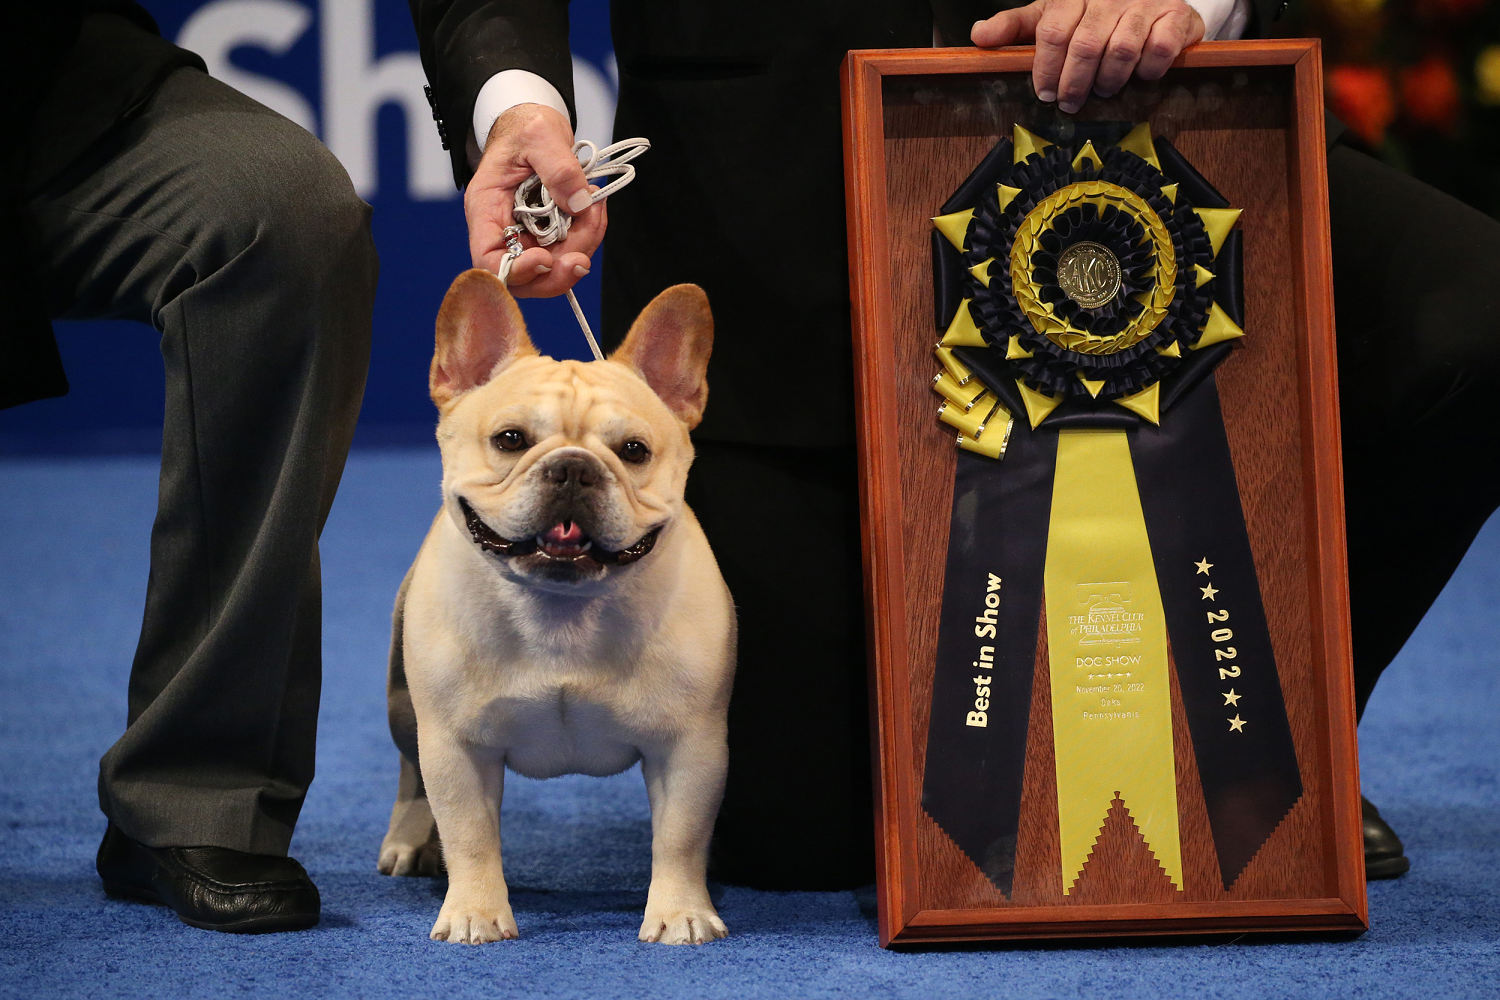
point(587, 545)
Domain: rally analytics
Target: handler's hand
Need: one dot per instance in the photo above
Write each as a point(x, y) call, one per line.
point(531, 139)
point(1084, 45)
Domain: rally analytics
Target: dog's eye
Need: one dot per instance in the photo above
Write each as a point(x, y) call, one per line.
point(635, 452)
point(510, 439)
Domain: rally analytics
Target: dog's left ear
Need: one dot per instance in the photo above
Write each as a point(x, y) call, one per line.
point(668, 345)
point(479, 332)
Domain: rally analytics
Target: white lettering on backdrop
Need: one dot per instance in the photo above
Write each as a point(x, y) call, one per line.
point(355, 84)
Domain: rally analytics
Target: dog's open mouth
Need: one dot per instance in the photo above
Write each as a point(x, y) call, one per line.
point(565, 542)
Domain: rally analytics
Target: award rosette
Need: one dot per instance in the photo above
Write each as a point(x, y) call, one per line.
point(1086, 291)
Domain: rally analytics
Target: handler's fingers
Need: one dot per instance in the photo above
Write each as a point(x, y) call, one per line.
point(564, 180)
point(489, 213)
point(1123, 51)
point(534, 263)
point(1085, 51)
point(542, 272)
point(1009, 27)
point(573, 267)
point(539, 138)
point(1054, 33)
point(570, 258)
point(1172, 32)
point(563, 273)
point(586, 231)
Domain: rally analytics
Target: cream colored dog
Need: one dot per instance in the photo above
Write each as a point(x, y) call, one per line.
point(565, 614)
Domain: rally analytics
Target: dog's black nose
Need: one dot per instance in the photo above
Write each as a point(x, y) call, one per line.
point(571, 470)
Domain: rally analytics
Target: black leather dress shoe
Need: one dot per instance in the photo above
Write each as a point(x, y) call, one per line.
point(211, 887)
point(1384, 855)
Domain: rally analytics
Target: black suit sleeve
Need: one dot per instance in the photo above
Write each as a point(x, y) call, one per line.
point(465, 42)
point(1263, 14)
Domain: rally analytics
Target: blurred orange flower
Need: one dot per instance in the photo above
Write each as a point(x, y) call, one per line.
point(1429, 92)
point(1363, 97)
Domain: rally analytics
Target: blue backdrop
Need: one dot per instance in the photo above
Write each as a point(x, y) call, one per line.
point(348, 71)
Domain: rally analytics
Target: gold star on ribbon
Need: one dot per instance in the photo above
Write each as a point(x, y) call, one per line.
point(1204, 565)
point(1236, 724)
point(1230, 698)
point(1208, 592)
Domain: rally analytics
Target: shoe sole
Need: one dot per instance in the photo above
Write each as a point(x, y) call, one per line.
point(1387, 867)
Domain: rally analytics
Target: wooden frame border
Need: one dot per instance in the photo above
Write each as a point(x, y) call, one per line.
point(902, 920)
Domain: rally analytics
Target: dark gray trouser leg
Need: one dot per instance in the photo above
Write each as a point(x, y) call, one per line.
point(236, 235)
point(1417, 290)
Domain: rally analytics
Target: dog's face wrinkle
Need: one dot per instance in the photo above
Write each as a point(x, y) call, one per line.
point(572, 410)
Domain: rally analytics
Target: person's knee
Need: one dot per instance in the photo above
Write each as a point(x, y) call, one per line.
point(276, 198)
point(1415, 283)
point(309, 215)
point(298, 228)
point(288, 237)
point(1451, 338)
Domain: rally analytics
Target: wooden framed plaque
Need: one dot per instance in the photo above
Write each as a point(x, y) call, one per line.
point(1106, 585)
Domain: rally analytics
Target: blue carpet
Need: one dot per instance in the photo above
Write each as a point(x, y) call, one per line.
point(73, 544)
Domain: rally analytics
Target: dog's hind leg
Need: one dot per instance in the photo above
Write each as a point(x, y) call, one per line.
point(411, 845)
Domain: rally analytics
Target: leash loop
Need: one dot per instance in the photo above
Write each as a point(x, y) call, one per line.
point(536, 213)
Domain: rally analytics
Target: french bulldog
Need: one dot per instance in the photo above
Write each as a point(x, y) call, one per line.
point(565, 613)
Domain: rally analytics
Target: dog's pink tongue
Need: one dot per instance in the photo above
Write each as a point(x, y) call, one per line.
point(565, 535)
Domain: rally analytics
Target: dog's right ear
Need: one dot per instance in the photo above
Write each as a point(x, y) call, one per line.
point(479, 332)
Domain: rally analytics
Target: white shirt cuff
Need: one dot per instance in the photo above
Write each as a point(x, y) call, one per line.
point(504, 91)
point(1222, 18)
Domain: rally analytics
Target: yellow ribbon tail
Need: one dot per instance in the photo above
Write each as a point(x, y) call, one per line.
point(1107, 642)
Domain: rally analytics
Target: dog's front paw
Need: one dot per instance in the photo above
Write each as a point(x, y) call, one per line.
point(464, 924)
point(682, 925)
